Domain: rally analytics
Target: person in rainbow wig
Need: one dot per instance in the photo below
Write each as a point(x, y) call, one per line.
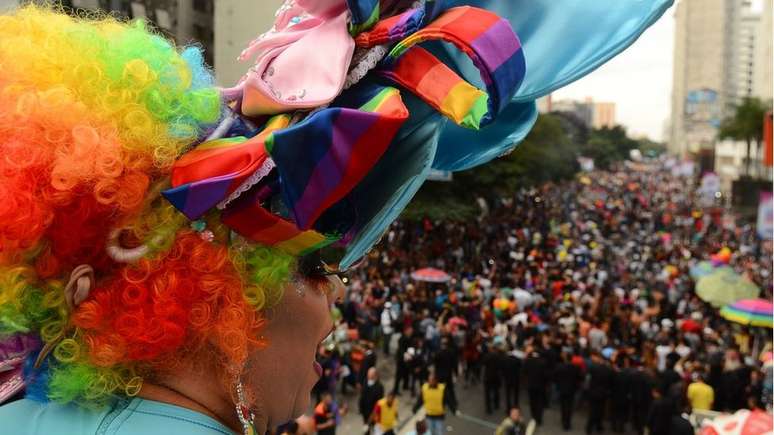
point(166, 246)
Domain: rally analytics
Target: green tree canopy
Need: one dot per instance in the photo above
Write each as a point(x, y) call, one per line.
point(549, 153)
point(746, 124)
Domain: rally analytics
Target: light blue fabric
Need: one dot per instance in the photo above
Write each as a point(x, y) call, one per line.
point(563, 40)
point(128, 417)
point(400, 172)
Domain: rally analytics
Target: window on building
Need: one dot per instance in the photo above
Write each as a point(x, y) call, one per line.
point(204, 6)
point(203, 34)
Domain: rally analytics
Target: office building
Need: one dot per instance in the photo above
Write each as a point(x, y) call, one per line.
point(591, 113)
point(722, 54)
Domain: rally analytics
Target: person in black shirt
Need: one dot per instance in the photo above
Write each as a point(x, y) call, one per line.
point(567, 377)
point(641, 389)
point(660, 416)
point(446, 362)
point(536, 373)
point(511, 376)
point(493, 377)
point(372, 391)
point(402, 369)
point(600, 385)
point(620, 397)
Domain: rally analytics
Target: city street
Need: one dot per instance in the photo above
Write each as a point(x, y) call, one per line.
point(473, 419)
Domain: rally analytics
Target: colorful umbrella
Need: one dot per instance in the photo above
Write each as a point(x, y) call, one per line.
point(702, 268)
point(753, 312)
point(743, 422)
point(724, 286)
point(430, 274)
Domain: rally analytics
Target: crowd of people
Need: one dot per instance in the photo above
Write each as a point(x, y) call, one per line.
point(576, 292)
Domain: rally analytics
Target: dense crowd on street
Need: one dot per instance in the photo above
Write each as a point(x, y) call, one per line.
point(576, 295)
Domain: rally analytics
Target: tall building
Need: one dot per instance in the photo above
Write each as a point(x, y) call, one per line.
point(237, 22)
point(722, 54)
point(762, 76)
point(745, 25)
point(545, 104)
point(604, 115)
point(592, 114)
point(699, 73)
point(186, 21)
point(222, 27)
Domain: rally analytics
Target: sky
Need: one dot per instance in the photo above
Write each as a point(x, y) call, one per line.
point(639, 81)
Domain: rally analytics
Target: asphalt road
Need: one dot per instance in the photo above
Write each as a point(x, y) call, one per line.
point(473, 421)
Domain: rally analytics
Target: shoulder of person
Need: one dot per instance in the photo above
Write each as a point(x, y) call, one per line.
point(125, 417)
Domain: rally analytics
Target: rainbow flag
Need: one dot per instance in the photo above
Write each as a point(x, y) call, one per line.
point(248, 217)
point(322, 158)
point(490, 43)
point(205, 176)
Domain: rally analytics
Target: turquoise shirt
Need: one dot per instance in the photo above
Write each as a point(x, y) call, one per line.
point(127, 417)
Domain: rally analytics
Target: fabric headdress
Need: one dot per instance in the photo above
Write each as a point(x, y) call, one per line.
point(357, 100)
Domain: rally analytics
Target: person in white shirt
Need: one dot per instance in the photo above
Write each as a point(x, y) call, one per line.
point(387, 321)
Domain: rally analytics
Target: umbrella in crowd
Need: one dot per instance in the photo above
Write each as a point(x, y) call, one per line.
point(701, 269)
point(743, 422)
point(753, 312)
point(724, 286)
point(430, 274)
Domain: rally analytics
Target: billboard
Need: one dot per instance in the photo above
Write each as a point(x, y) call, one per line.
point(703, 106)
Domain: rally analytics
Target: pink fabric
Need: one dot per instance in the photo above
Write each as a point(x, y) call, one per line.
point(754, 305)
point(302, 64)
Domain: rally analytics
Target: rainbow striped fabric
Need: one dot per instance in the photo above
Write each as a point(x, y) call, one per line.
point(214, 170)
point(248, 217)
point(363, 14)
point(398, 27)
point(321, 159)
point(490, 43)
point(753, 312)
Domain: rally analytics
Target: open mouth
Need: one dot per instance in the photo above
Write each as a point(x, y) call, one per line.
point(316, 365)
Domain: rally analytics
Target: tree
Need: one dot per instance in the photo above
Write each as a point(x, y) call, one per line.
point(546, 154)
point(746, 125)
point(609, 144)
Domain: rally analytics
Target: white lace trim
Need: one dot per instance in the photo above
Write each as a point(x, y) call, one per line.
point(222, 128)
point(372, 58)
point(366, 63)
point(251, 181)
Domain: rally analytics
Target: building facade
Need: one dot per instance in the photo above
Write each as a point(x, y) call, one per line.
point(186, 21)
point(592, 114)
point(699, 74)
point(722, 53)
point(237, 22)
point(604, 115)
point(223, 28)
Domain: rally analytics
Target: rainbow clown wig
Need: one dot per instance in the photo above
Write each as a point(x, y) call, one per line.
point(92, 116)
point(147, 218)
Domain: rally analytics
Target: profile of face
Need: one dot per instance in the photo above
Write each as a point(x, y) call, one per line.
point(278, 378)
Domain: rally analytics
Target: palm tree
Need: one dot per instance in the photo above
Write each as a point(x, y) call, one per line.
point(746, 124)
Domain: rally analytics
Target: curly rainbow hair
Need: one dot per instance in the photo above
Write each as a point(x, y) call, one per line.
point(93, 112)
